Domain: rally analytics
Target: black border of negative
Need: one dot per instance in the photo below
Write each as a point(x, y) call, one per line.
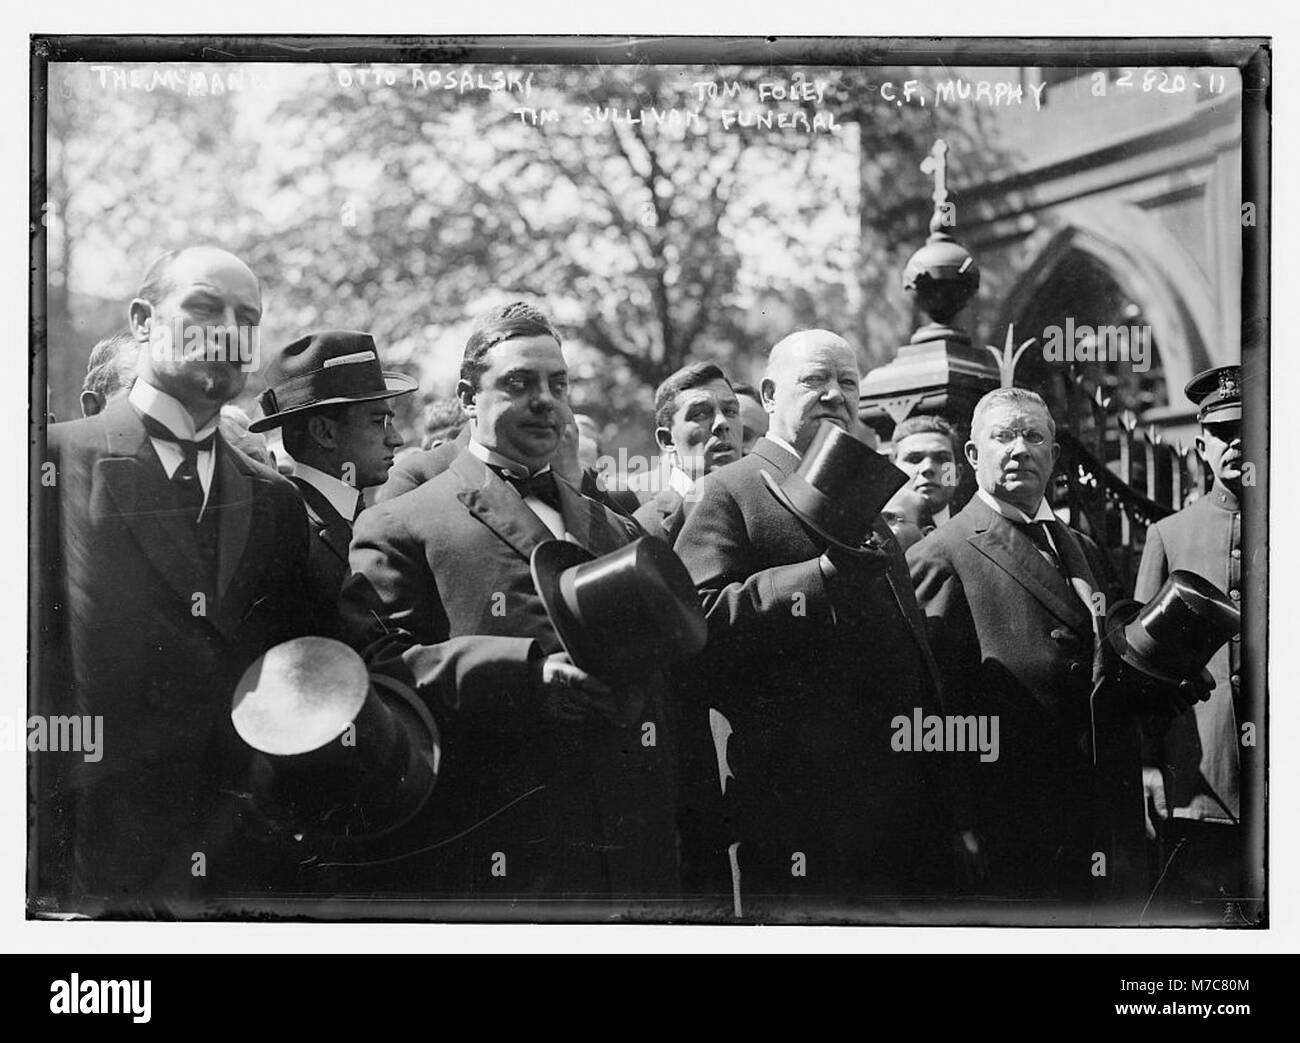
point(1251, 55)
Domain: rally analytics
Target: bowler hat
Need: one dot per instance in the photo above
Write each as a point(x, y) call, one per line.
point(332, 367)
point(624, 615)
point(1177, 632)
point(335, 752)
point(840, 486)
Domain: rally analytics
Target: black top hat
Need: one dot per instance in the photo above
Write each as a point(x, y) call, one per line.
point(1218, 393)
point(840, 487)
point(624, 615)
point(329, 368)
point(336, 752)
point(1177, 632)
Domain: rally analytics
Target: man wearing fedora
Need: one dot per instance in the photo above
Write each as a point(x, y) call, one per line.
point(1192, 764)
point(170, 562)
point(1016, 601)
point(813, 650)
point(545, 789)
point(331, 399)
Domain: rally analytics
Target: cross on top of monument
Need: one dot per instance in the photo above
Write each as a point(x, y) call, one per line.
point(936, 165)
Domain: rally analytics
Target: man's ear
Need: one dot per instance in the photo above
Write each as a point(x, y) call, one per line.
point(141, 318)
point(972, 455)
point(664, 439)
point(767, 392)
point(466, 392)
point(1199, 442)
point(322, 431)
point(91, 403)
point(1056, 453)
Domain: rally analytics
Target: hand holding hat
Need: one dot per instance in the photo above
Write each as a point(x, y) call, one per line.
point(838, 491)
point(1168, 641)
point(568, 692)
point(621, 618)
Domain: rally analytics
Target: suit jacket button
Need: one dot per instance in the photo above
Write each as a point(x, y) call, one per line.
point(1236, 552)
point(1236, 680)
point(1235, 594)
point(1059, 634)
point(1076, 668)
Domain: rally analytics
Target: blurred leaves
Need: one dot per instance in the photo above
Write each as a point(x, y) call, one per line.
point(405, 210)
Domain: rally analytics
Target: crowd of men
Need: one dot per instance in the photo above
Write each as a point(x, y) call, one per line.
point(175, 552)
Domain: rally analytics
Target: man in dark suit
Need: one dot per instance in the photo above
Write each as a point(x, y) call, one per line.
point(170, 562)
point(1192, 763)
point(330, 397)
point(416, 468)
point(540, 792)
point(697, 429)
point(811, 655)
point(1015, 600)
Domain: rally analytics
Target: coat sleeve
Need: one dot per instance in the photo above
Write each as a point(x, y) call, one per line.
point(1152, 573)
point(743, 602)
point(1154, 568)
point(949, 623)
point(405, 475)
point(955, 645)
point(392, 615)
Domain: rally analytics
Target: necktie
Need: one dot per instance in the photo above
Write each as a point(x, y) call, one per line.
point(185, 479)
point(1037, 531)
point(541, 485)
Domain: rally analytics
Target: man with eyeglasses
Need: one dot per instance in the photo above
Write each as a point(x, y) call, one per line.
point(1015, 601)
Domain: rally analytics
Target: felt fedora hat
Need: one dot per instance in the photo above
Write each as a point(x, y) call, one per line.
point(334, 751)
point(624, 615)
point(840, 487)
point(332, 367)
point(1175, 634)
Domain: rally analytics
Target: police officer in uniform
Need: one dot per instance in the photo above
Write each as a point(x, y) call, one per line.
point(1192, 762)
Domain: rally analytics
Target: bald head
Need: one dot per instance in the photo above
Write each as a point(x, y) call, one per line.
point(167, 271)
point(812, 375)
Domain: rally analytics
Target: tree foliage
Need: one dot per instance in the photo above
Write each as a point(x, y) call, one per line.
point(403, 209)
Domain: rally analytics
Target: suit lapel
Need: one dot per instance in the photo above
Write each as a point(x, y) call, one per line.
point(576, 511)
point(331, 527)
point(1013, 552)
point(499, 507)
point(144, 499)
point(232, 496)
point(783, 462)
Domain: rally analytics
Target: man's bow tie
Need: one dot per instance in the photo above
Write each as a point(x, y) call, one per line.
point(541, 485)
point(188, 446)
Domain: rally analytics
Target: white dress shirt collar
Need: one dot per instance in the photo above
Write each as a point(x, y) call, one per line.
point(680, 482)
point(547, 514)
point(170, 413)
point(494, 459)
point(341, 496)
point(784, 445)
point(163, 408)
point(1014, 513)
